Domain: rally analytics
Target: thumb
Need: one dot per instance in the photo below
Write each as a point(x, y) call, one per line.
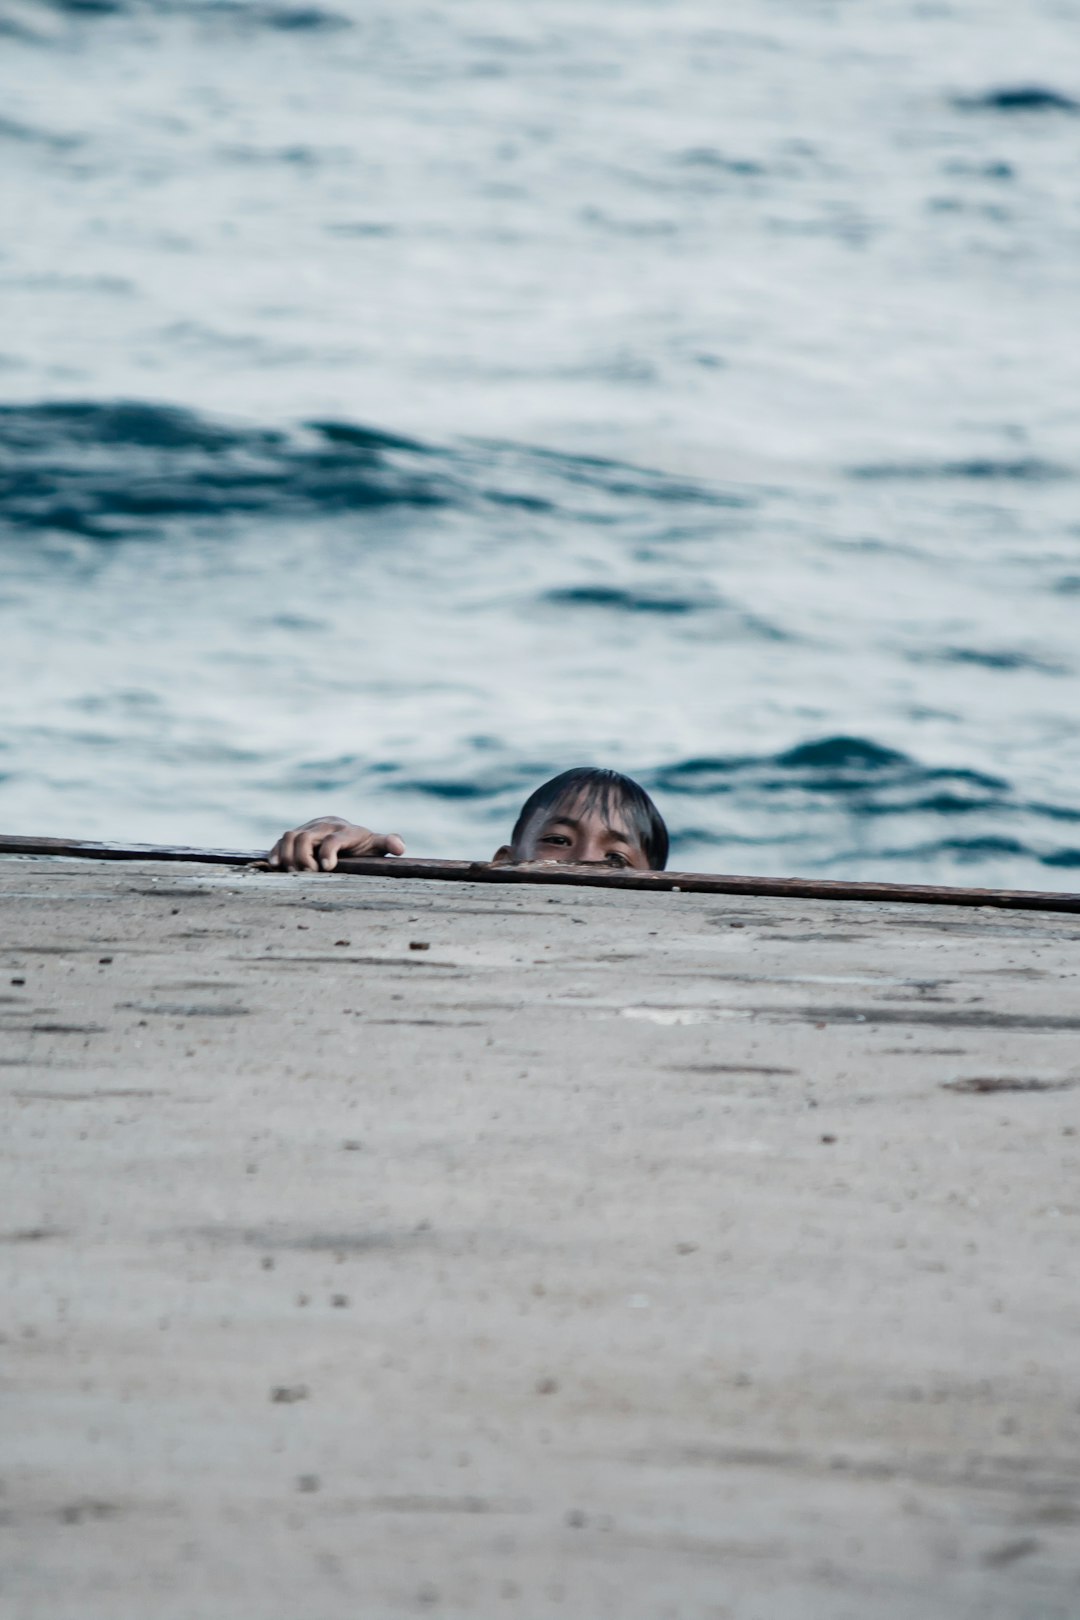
point(387, 844)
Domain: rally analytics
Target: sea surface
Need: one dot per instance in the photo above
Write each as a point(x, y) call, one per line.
point(403, 402)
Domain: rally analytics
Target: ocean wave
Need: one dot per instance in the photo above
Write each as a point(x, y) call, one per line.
point(1018, 469)
point(883, 780)
point(1018, 98)
point(976, 851)
point(116, 469)
point(1062, 857)
point(33, 135)
point(513, 778)
point(111, 470)
point(1004, 658)
point(853, 775)
point(626, 601)
point(273, 14)
point(829, 764)
point(847, 801)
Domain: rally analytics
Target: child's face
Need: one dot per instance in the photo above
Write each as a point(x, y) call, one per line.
point(576, 832)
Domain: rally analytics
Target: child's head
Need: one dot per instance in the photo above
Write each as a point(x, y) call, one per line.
point(592, 815)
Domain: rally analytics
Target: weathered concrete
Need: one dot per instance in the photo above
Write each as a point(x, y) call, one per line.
point(617, 1255)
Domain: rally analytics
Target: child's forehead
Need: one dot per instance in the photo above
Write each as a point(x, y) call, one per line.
point(577, 804)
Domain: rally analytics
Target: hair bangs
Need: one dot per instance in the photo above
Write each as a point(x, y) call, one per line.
point(607, 792)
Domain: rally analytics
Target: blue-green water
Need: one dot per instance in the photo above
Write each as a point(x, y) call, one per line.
point(402, 403)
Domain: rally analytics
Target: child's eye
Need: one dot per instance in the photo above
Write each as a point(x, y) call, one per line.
point(556, 838)
point(615, 859)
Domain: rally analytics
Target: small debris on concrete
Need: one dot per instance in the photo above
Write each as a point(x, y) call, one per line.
point(983, 1084)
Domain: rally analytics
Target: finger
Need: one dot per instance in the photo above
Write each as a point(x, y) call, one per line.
point(387, 844)
point(304, 852)
point(329, 849)
point(273, 857)
point(285, 847)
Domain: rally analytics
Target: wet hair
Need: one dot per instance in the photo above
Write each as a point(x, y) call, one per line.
point(601, 790)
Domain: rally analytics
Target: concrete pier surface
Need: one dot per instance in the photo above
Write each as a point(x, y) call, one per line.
point(377, 1249)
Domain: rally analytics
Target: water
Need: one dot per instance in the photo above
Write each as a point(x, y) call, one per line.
point(404, 402)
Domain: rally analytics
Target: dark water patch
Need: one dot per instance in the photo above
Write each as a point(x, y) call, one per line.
point(842, 803)
point(299, 156)
point(625, 601)
point(993, 170)
point(874, 780)
point(975, 848)
point(942, 804)
point(621, 479)
point(1056, 812)
point(972, 851)
point(300, 19)
point(845, 752)
point(513, 780)
point(712, 161)
point(107, 470)
point(1018, 98)
point(88, 8)
point(448, 788)
point(1016, 469)
point(365, 438)
point(32, 135)
point(991, 658)
point(360, 227)
point(682, 835)
point(1068, 585)
point(333, 775)
point(110, 470)
point(274, 15)
point(824, 765)
point(301, 623)
point(30, 428)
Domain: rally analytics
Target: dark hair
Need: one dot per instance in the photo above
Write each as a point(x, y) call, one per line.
point(601, 790)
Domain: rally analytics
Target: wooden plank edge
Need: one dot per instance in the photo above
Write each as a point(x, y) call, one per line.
point(785, 888)
point(599, 877)
point(83, 849)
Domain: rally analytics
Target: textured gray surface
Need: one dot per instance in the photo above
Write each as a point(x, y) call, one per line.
point(616, 1255)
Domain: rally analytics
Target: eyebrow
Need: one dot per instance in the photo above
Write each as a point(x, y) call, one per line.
point(572, 821)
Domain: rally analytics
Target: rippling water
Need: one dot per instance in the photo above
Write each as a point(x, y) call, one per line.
point(403, 402)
